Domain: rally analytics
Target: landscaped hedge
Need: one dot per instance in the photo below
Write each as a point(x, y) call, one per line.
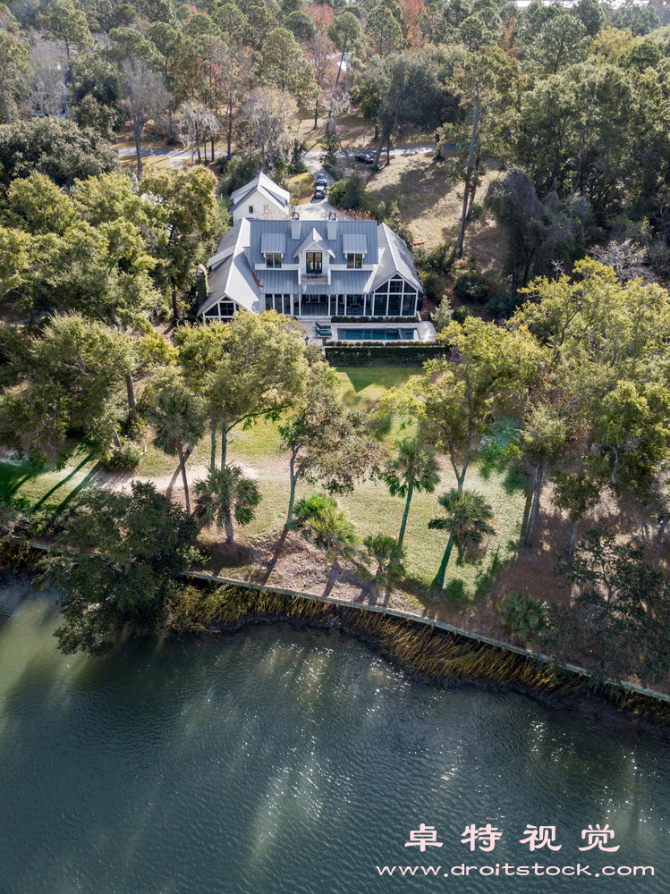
point(382, 355)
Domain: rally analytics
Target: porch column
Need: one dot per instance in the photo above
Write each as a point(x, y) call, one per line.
point(300, 304)
point(346, 305)
point(388, 298)
point(416, 298)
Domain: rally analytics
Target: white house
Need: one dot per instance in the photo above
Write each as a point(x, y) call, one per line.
point(313, 269)
point(261, 199)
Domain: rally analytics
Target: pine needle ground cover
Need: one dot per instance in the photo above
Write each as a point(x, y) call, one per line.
point(371, 507)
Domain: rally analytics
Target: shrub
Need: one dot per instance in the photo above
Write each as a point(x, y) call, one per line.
point(524, 616)
point(122, 459)
point(433, 286)
point(472, 289)
point(460, 314)
point(440, 259)
point(336, 193)
point(442, 316)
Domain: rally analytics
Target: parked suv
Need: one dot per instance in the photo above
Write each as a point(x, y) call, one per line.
point(320, 192)
point(366, 157)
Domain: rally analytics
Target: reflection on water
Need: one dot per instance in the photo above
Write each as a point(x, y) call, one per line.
point(283, 762)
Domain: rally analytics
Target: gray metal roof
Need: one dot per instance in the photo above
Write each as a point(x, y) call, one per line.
point(266, 185)
point(354, 243)
point(305, 229)
point(313, 238)
point(273, 242)
point(234, 276)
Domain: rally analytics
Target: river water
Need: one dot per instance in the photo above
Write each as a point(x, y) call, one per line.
point(296, 762)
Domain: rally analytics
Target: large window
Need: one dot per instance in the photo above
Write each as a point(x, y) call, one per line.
point(354, 261)
point(273, 259)
point(280, 303)
point(224, 310)
point(395, 298)
point(355, 306)
point(313, 262)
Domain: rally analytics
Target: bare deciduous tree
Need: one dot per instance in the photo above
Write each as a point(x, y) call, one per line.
point(49, 91)
point(144, 97)
point(272, 118)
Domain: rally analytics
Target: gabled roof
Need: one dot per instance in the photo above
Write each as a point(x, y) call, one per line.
point(231, 276)
point(268, 188)
point(394, 259)
point(313, 238)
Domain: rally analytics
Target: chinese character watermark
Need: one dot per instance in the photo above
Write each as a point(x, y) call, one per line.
point(598, 838)
point(540, 836)
point(423, 837)
point(487, 836)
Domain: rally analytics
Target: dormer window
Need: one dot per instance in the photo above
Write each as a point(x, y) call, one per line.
point(354, 261)
point(273, 259)
point(313, 262)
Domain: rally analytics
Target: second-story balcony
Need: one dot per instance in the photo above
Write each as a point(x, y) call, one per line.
point(314, 279)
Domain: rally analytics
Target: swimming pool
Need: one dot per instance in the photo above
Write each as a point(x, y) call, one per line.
point(375, 334)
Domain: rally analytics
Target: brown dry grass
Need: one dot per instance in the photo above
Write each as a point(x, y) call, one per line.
point(430, 203)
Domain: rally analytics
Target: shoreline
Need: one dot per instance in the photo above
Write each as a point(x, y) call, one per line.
point(420, 647)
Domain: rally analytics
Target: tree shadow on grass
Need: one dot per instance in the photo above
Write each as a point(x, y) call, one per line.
point(45, 497)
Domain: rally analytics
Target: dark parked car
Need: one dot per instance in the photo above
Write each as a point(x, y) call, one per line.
point(366, 157)
point(322, 180)
point(320, 192)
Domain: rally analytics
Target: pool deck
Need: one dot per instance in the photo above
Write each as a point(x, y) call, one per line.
point(425, 330)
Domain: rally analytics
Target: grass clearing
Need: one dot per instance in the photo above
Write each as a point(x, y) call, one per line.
point(301, 187)
point(430, 204)
point(371, 507)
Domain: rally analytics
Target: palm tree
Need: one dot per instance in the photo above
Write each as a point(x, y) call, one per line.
point(179, 422)
point(321, 521)
point(386, 556)
point(467, 520)
point(414, 468)
point(226, 494)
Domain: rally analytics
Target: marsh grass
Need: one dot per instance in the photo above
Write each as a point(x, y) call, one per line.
point(423, 651)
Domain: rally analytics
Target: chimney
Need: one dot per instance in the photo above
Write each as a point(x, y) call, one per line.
point(331, 230)
point(295, 230)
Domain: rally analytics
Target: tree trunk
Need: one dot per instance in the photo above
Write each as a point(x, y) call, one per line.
point(230, 128)
point(212, 455)
point(439, 577)
point(213, 158)
point(224, 443)
point(230, 533)
point(473, 191)
point(376, 131)
point(137, 132)
point(197, 143)
point(117, 440)
point(532, 518)
point(182, 464)
point(468, 174)
point(291, 499)
point(659, 539)
point(401, 536)
point(316, 114)
point(130, 388)
point(375, 166)
point(6, 104)
point(570, 548)
point(175, 307)
point(388, 150)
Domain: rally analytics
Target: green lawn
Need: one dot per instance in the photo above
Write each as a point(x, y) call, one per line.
point(371, 506)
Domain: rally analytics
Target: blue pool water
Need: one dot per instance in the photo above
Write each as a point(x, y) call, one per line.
point(375, 334)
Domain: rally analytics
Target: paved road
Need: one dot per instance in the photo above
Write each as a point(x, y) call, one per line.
point(178, 157)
